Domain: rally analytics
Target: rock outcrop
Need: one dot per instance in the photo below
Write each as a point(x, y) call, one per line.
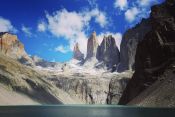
point(129, 44)
point(117, 86)
point(77, 54)
point(12, 47)
point(108, 52)
point(92, 46)
point(155, 52)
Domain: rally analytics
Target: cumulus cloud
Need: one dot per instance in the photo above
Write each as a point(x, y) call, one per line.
point(26, 30)
point(6, 26)
point(131, 14)
point(41, 27)
point(73, 25)
point(121, 4)
point(62, 49)
point(117, 36)
point(100, 17)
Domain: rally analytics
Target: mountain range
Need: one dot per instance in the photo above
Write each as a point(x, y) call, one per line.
point(141, 73)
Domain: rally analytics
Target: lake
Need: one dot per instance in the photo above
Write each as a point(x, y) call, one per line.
point(84, 111)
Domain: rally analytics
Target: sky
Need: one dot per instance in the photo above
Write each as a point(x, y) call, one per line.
point(50, 28)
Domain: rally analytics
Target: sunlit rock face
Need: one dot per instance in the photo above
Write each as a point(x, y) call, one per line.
point(108, 52)
point(155, 53)
point(129, 43)
point(92, 46)
point(77, 54)
point(12, 47)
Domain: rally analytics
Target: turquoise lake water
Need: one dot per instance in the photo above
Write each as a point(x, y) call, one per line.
point(84, 111)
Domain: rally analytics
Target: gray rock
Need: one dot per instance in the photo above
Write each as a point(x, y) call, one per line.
point(155, 52)
point(92, 46)
point(108, 52)
point(77, 54)
point(129, 43)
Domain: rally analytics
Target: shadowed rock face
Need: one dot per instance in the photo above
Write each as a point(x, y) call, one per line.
point(129, 45)
point(154, 52)
point(77, 54)
point(92, 46)
point(108, 52)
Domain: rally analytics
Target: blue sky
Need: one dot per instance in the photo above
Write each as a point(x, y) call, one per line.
point(50, 28)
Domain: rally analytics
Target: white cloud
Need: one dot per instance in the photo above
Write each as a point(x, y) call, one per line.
point(117, 36)
point(121, 4)
point(131, 14)
point(72, 25)
point(62, 49)
point(26, 30)
point(100, 17)
point(146, 2)
point(6, 26)
point(41, 27)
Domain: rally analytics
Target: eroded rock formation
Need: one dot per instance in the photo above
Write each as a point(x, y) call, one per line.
point(12, 47)
point(77, 54)
point(92, 46)
point(108, 52)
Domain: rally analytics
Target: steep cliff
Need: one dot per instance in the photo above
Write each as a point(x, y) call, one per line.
point(92, 46)
point(12, 47)
point(108, 52)
point(77, 54)
point(155, 52)
point(129, 44)
point(91, 88)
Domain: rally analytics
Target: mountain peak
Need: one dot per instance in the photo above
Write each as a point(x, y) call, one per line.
point(77, 54)
point(11, 46)
point(92, 46)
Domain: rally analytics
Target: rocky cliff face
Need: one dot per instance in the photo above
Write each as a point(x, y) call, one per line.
point(108, 52)
point(117, 86)
point(92, 46)
point(12, 47)
point(155, 52)
point(92, 89)
point(129, 44)
point(77, 54)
